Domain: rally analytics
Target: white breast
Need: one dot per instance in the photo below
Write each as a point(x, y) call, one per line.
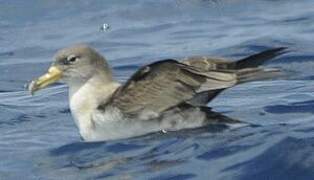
point(99, 125)
point(84, 102)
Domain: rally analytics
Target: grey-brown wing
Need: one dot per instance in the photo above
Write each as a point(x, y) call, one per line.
point(209, 63)
point(253, 61)
point(165, 84)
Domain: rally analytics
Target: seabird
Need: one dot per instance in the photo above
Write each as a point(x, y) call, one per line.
point(166, 95)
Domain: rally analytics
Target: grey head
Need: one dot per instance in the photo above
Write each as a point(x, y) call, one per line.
point(73, 65)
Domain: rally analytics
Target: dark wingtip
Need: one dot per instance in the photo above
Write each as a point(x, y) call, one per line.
point(276, 51)
point(280, 50)
point(258, 59)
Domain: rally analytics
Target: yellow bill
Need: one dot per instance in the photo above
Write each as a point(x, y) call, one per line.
point(53, 75)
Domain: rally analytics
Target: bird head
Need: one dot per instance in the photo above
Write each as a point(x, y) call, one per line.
point(74, 66)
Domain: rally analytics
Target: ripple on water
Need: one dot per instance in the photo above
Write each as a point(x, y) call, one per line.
point(40, 141)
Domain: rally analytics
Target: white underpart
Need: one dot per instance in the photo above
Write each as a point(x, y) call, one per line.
point(109, 123)
point(99, 125)
point(84, 100)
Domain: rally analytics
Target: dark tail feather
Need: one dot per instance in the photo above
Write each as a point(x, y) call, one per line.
point(216, 117)
point(259, 58)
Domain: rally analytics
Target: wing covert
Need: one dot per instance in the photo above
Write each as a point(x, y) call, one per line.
point(159, 86)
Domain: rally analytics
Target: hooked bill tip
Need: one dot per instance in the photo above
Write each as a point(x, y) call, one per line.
point(32, 87)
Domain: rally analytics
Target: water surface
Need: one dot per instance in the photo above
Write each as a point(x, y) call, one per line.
point(38, 139)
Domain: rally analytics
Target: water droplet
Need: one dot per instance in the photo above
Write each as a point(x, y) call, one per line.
point(105, 27)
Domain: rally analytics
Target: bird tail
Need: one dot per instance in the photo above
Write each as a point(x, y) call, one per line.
point(248, 68)
point(259, 58)
point(216, 117)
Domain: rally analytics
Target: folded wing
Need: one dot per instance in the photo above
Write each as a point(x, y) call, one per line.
point(162, 85)
point(159, 86)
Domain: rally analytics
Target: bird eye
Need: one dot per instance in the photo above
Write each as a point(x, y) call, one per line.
point(72, 59)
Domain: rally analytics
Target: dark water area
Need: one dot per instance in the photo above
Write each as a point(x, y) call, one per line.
point(38, 139)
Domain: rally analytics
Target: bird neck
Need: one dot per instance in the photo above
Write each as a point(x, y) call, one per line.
point(85, 98)
point(99, 81)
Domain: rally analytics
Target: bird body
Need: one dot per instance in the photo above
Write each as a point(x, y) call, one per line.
point(167, 95)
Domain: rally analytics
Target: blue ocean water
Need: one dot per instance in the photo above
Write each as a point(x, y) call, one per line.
point(38, 139)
